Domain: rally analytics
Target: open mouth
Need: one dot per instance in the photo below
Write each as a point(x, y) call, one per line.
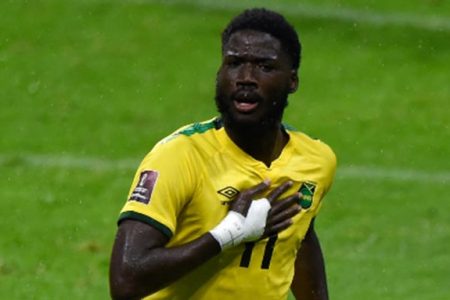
point(245, 106)
point(246, 102)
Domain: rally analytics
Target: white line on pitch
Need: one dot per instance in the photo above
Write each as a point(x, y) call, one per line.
point(107, 165)
point(429, 22)
point(394, 174)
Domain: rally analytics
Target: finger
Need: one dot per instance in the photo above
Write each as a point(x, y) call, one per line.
point(277, 228)
point(257, 189)
point(285, 203)
point(276, 193)
point(243, 201)
point(283, 215)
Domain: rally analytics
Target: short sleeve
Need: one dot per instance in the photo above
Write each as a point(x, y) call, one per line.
point(162, 185)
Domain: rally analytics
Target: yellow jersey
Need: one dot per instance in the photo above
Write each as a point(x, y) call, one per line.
point(183, 186)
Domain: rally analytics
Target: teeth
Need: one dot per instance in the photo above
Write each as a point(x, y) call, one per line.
point(245, 101)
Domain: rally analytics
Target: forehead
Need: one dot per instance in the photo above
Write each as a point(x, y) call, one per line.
point(251, 42)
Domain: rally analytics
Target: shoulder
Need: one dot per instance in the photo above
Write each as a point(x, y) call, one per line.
point(182, 152)
point(187, 140)
point(314, 148)
point(313, 145)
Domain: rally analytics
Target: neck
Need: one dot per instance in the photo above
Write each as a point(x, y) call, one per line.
point(265, 145)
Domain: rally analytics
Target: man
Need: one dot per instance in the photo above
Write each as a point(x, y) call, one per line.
point(225, 209)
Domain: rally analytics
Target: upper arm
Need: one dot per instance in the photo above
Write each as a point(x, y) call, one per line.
point(309, 280)
point(309, 243)
point(133, 241)
point(135, 236)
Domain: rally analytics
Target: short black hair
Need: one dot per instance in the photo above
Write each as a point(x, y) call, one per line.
point(268, 21)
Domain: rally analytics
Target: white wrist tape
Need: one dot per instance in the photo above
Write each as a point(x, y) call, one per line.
point(230, 230)
point(235, 228)
point(255, 222)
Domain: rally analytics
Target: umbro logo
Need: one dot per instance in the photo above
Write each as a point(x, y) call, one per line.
point(229, 192)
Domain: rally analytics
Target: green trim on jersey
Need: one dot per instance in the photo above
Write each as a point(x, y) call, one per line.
point(198, 128)
point(215, 123)
point(146, 219)
point(289, 127)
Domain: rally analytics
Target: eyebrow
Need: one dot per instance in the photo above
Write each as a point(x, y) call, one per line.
point(231, 53)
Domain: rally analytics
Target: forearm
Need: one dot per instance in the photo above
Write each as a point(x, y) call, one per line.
point(137, 272)
point(310, 278)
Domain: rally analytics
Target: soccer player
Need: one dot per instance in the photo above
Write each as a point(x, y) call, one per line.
point(224, 209)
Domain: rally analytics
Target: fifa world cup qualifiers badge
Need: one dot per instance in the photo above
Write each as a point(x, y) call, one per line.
point(143, 191)
point(307, 190)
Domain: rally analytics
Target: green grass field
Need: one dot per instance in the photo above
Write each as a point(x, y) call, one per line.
point(87, 87)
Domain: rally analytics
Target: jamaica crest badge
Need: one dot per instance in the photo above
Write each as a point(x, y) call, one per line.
point(307, 189)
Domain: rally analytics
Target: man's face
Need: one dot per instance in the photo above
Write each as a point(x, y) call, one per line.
point(254, 81)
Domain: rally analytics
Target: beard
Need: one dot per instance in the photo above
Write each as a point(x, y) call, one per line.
point(270, 120)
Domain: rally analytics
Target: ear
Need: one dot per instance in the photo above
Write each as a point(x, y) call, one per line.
point(293, 84)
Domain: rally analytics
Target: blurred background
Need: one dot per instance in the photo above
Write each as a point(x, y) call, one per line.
point(87, 87)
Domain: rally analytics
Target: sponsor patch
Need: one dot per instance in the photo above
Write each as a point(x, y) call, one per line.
point(307, 189)
point(143, 191)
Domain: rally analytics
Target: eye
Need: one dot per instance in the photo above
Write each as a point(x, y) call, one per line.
point(265, 67)
point(233, 63)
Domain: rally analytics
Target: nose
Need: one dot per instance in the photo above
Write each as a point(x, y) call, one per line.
point(246, 77)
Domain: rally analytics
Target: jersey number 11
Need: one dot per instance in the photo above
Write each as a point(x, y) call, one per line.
point(267, 257)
